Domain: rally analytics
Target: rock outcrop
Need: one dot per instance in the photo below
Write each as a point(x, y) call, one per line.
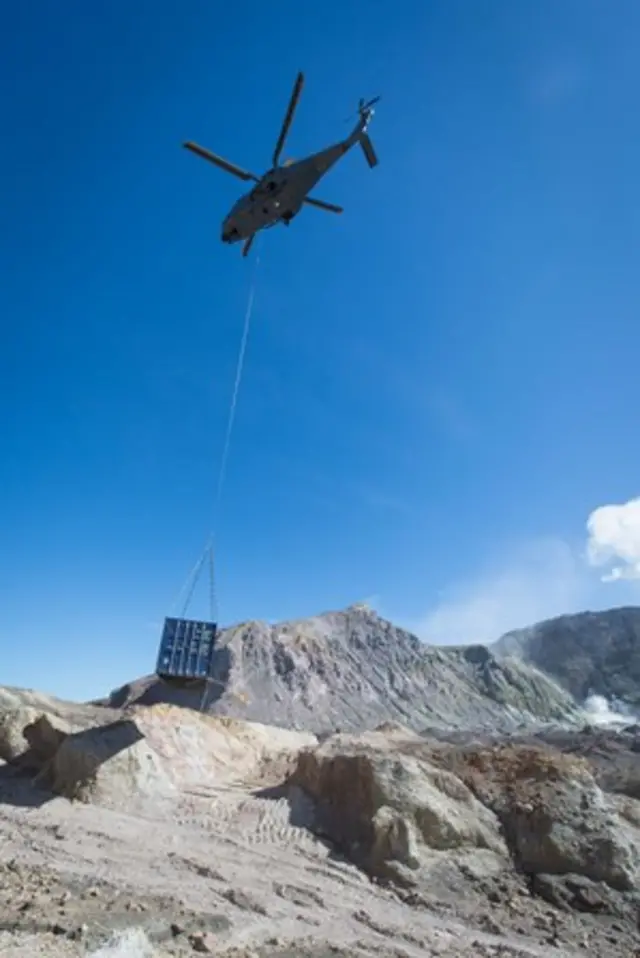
point(30, 737)
point(409, 809)
point(111, 765)
point(395, 814)
point(145, 755)
point(13, 742)
point(555, 817)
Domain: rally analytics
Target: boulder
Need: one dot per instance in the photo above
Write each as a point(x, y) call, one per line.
point(108, 765)
point(30, 737)
point(395, 814)
point(45, 736)
point(13, 744)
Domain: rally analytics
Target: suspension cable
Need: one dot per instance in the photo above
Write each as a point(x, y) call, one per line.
point(208, 551)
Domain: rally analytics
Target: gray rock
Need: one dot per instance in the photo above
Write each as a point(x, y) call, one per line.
point(30, 737)
point(591, 653)
point(394, 814)
point(555, 817)
point(354, 670)
point(109, 765)
point(13, 744)
point(578, 893)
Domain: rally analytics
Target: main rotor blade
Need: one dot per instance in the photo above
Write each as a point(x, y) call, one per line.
point(293, 102)
point(220, 161)
point(331, 207)
point(247, 245)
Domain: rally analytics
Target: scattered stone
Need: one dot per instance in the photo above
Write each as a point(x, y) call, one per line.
point(244, 900)
point(579, 893)
point(487, 923)
point(302, 897)
point(202, 942)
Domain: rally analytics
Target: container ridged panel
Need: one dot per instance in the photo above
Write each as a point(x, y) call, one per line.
point(186, 649)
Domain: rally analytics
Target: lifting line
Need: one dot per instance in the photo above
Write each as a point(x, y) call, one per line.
point(208, 552)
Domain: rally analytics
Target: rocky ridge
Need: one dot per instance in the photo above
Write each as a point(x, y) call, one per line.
point(352, 670)
point(591, 653)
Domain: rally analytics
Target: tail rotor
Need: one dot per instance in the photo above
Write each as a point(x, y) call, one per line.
point(366, 110)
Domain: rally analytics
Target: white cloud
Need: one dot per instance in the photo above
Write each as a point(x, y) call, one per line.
point(540, 580)
point(614, 540)
point(537, 581)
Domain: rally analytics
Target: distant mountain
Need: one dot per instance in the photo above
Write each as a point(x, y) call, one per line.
point(353, 670)
point(591, 653)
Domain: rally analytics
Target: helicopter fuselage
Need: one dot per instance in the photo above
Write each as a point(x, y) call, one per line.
point(280, 194)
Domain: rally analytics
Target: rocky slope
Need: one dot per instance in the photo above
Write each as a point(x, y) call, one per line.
point(353, 670)
point(592, 653)
point(194, 834)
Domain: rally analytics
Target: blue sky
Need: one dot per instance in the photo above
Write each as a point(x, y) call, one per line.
point(440, 385)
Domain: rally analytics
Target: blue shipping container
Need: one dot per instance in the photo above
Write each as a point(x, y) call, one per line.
point(186, 649)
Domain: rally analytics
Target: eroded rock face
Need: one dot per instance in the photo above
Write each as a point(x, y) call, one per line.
point(394, 814)
point(402, 809)
point(556, 819)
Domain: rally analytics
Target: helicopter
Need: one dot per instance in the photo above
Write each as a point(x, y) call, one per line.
point(281, 192)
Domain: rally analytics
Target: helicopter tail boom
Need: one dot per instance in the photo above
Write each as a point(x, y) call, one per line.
point(368, 150)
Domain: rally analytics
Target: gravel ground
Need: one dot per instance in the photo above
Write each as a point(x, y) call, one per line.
point(220, 869)
point(227, 861)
